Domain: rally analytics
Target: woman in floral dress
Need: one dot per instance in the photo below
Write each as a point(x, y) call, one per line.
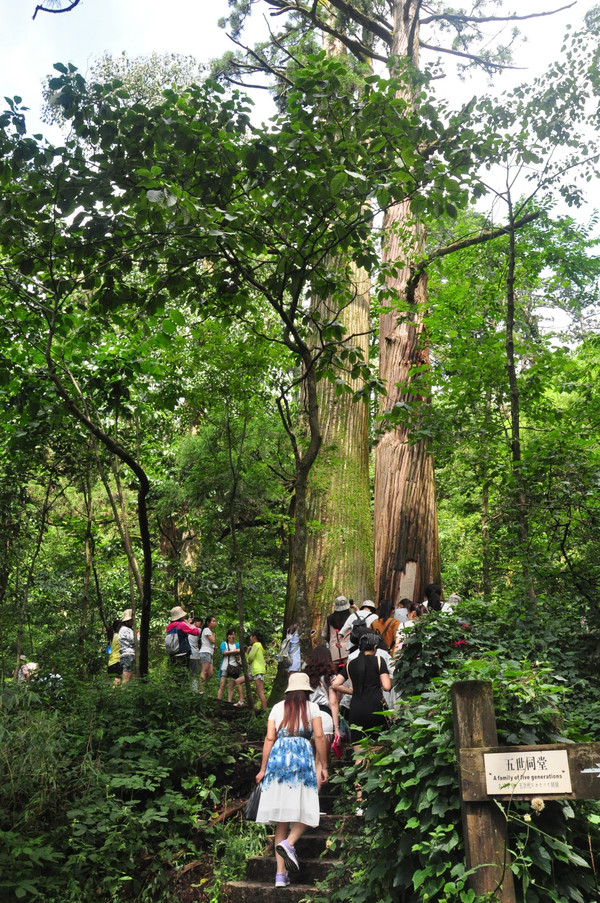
point(289, 796)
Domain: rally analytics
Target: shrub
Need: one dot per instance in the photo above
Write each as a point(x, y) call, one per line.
point(105, 791)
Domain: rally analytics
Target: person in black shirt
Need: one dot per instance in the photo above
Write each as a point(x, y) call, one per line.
point(368, 675)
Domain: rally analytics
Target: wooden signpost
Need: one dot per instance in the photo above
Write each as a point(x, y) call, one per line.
point(489, 772)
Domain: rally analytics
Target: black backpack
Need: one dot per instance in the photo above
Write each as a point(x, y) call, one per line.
point(358, 628)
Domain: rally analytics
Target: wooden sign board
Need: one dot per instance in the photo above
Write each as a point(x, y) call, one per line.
point(551, 771)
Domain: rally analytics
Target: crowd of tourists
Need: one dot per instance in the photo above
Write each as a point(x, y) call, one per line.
point(345, 681)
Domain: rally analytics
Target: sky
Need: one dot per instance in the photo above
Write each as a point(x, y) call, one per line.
point(29, 48)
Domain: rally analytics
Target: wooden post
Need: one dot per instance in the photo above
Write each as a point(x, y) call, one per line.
point(484, 825)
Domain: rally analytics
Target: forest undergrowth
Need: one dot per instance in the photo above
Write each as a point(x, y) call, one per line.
point(112, 793)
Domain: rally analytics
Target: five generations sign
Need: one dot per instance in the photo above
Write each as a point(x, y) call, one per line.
point(551, 771)
point(541, 772)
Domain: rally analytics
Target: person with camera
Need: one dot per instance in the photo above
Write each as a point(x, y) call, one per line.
point(230, 668)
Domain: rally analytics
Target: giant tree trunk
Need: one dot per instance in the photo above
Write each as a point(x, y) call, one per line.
point(406, 531)
point(339, 552)
point(339, 557)
point(407, 554)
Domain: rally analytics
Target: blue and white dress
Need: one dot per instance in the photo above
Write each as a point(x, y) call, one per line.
point(289, 788)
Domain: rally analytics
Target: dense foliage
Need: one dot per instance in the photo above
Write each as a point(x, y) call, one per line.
point(161, 350)
point(106, 794)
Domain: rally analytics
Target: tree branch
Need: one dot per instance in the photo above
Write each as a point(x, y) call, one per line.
point(263, 64)
point(469, 56)
point(487, 235)
point(47, 9)
point(382, 31)
point(457, 17)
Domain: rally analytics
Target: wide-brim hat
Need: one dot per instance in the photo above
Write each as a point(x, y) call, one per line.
point(178, 612)
point(368, 603)
point(341, 604)
point(299, 681)
point(127, 615)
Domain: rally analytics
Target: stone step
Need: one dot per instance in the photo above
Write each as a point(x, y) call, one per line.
point(310, 846)
point(254, 892)
point(326, 802)
point(328, 821)
point(262, 868)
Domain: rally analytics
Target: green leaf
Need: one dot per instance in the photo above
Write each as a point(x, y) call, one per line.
point(337, 183)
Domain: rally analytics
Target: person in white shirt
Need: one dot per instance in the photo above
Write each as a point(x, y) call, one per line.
point(127, 645)
point(194, 662)
point(367, 611)
point(453, 600)
point(207, 647)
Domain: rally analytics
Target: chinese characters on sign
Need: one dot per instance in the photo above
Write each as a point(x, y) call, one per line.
point(541, 772)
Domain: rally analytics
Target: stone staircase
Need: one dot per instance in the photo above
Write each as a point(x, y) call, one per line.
point(315, 862)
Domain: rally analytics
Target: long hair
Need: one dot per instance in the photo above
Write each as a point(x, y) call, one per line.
point(112, 629)
point(368, 641)
point(338, 619)
point(295, 710)
point(320, 665)
point(433, 594)
point(207, 621)
point(386, 610)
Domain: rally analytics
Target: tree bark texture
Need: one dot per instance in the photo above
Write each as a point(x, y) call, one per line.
point(407, 554)
point(339, 557)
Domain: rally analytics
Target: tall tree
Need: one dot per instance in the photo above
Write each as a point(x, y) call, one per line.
point(406, 539)
point(339, 556)
point(340, 542)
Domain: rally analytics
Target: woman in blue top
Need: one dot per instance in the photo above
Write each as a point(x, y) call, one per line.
point(230, 654)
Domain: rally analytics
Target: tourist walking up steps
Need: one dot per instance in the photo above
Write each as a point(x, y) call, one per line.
point(338, 646)
point(365, 614)
point(289, 796)
point(369, 676)
point(230, 668)
point(207, 647)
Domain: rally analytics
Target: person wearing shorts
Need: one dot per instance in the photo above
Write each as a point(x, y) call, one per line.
point(230, 653)
point(194, 662)
point(207, 647)
point(256, 660)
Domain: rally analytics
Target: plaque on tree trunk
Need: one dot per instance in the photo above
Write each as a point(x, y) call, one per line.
point(542, 771)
